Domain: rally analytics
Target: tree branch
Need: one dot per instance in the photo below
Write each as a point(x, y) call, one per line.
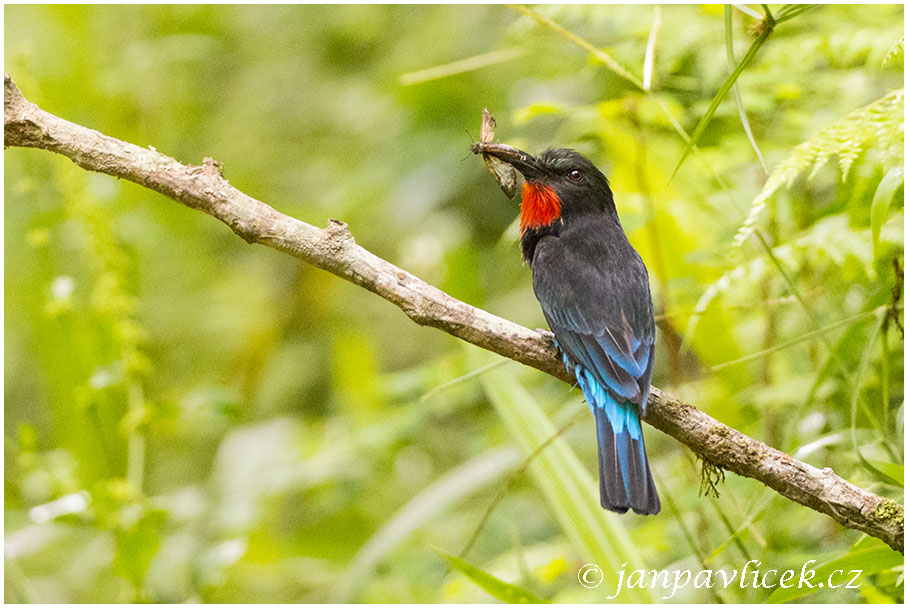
point(334, 250)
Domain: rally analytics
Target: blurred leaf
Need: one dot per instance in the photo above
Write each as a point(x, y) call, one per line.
point(597, 535)
point(137, 544)
point(895, 53)
point(355, 370)
point(532, 111)
point(868, 560)
point(894, 471)
point(441, 495)
point(599, 54)
point(459, 67)
point(880, 205)
point(507, 593)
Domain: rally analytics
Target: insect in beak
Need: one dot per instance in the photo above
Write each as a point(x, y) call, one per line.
point(505, 174)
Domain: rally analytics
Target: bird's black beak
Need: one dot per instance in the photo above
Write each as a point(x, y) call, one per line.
point(525, 163)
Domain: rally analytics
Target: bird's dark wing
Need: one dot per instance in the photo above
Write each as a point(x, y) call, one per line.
point(596, 299)
point(601, 315)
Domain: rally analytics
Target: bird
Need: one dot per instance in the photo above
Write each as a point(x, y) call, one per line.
point(594, 290)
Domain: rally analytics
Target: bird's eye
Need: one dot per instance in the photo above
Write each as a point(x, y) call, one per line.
point(575, 175)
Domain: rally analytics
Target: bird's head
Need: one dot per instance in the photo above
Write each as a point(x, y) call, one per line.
point(559, 184)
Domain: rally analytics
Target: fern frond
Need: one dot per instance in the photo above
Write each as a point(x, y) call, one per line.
point(830, 242)
point(876, 129)
point(894, 54)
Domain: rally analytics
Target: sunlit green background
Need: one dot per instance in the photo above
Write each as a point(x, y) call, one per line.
point(189, 418)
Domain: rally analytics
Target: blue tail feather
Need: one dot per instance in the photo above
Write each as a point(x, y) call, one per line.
point(625, 478)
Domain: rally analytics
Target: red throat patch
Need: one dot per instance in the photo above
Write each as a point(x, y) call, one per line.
point(540, 206)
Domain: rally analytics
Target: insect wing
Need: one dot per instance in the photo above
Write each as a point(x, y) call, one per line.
point(488, 127)
point(505, 174)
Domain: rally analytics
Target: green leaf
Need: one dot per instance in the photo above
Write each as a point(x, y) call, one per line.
point(508, 593)
point(876, 127)
point(893, 471)
point(720, 96)
point(422, 509)
point(598, 536)
point(869, 560)
point(740, 105)
point(892, 180)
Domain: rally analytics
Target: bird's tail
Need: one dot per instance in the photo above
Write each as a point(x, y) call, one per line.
point(625, 478)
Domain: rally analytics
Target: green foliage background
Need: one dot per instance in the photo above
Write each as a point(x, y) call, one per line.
point(191, 419)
